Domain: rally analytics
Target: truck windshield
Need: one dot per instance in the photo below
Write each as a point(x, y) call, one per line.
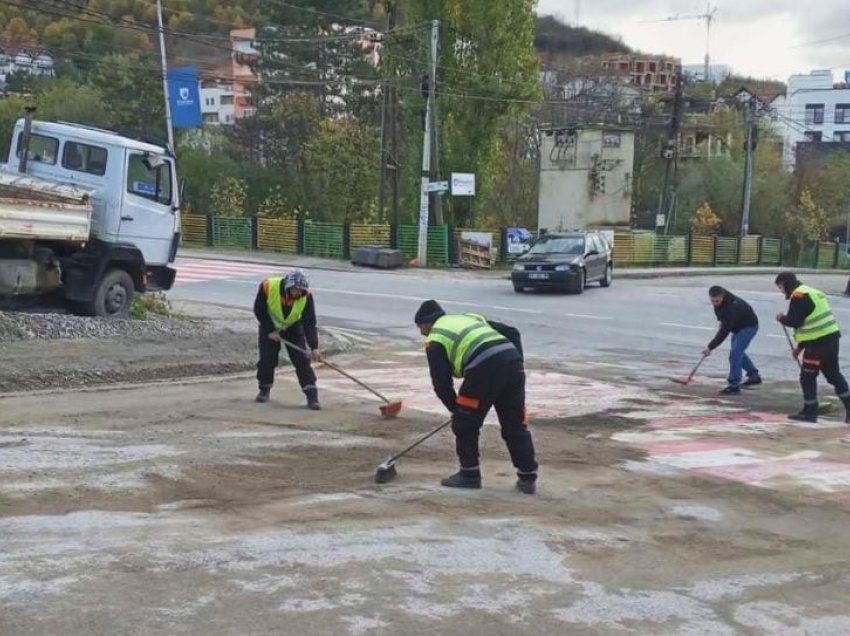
point(154, 184)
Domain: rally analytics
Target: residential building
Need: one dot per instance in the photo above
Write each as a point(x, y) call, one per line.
point(656, 73)
point(586, 177)
point(245, 55)
point(24, 58)
point(218, 100)
point(812, 110)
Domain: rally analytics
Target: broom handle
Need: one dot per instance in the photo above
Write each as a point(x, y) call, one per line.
point(418, 442)
point(337, 369)
point(791, 344)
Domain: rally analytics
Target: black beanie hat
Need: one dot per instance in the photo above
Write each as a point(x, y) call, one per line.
point(788, 280)
point(429, 312)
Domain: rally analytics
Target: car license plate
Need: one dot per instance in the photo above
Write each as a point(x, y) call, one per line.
point(538, 276)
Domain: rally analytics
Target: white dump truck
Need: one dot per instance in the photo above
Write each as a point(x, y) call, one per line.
point(86, 214)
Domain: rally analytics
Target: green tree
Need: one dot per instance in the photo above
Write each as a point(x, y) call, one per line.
point(229, 197)
point(335, 67)
point(487, 78)
point(132, 92)
point(340, 162)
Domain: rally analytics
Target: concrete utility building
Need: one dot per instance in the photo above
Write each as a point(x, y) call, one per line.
point(586, 177)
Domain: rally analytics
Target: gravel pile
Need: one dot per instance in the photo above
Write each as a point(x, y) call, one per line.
point(16, 326)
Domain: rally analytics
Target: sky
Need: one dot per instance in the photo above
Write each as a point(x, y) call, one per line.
point(759, 38)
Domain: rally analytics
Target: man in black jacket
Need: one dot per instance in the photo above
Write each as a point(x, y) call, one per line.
point(285, 310)
point(488, 356)
point(737, 317)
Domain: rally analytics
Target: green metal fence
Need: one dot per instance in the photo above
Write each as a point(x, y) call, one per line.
point(631, 248)
point(232, 232)
point(407, 238)
point(324, 239)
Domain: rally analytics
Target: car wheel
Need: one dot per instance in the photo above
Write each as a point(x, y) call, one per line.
point(519, 288)
point(581, 284)
point(113, 296)
point(608, 278)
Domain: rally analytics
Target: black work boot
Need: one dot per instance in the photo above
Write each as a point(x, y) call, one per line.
point(808, 414)
point(313, 399)
point(527, 484)
point(263, 395)
point(464, 478)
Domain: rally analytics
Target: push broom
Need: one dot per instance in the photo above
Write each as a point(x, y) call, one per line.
point(386, 471)
point(389, 409)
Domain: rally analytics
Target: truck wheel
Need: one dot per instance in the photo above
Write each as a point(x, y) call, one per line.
point(114, 295)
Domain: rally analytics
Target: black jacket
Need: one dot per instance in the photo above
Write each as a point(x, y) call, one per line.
point(307, 322)
point(734, 314)
point(441, 368)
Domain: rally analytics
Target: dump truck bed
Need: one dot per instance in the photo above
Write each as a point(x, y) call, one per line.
point(37, 209)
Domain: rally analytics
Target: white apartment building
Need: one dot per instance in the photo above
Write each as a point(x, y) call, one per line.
point(217, 102)
point(812, 109)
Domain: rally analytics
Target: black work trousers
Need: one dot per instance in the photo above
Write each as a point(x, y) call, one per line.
point(495, 382)
point(270, 357)
point(821, 356)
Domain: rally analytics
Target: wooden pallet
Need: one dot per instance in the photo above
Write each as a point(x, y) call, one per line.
point(475, 255)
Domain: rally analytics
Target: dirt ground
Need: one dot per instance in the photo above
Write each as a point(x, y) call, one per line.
point(183, 507)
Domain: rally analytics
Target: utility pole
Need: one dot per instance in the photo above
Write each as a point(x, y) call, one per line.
point(435, 131)
point(385, 98)
point(748, 166)
point(168, 123)
point(671, 150)
point(426, 153)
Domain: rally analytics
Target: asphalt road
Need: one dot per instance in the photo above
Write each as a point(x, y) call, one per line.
point(663, 320)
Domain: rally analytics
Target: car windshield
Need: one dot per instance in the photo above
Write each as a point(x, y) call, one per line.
point(558, 245)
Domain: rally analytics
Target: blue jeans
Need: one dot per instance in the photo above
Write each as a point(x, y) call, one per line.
point(738, 358)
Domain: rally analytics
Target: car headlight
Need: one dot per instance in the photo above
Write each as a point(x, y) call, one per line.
point(562, 268)
point(519, 267)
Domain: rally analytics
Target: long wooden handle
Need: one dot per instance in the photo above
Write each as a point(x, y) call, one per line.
point(337, 369)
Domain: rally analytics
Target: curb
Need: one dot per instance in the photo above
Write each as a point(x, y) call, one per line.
point(621, 274)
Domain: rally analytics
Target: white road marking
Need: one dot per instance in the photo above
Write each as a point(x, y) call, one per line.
point(443, 301)
point(676, 324)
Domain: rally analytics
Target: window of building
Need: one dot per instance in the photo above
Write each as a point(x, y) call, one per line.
point(842, 113)
point(150, 182)
point(639, 67)
point(227, 100)
point(814, 114)
point(84, 158)
point(813, 135)
point(210, 118)
point(42, 149)
point(611, 140)
point(210, 101)
point(653, 67)
point(842, 136)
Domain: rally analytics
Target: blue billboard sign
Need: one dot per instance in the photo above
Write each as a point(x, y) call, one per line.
point(184, 97)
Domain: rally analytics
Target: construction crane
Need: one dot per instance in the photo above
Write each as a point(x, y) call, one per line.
point(708, 16)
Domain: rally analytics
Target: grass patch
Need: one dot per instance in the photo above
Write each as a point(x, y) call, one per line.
point(151, 304)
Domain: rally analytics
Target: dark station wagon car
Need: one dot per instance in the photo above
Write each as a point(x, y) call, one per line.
point(565, 261)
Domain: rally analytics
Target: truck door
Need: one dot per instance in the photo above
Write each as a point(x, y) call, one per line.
point(148, 219)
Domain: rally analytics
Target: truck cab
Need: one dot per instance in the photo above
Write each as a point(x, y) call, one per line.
point(134, 228)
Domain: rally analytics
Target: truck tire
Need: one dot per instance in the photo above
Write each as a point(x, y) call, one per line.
point(113, 296)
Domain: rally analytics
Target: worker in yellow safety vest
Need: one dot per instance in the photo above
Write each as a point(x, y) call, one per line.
point(816, 334)
point(488, 357)
point(286, 312)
